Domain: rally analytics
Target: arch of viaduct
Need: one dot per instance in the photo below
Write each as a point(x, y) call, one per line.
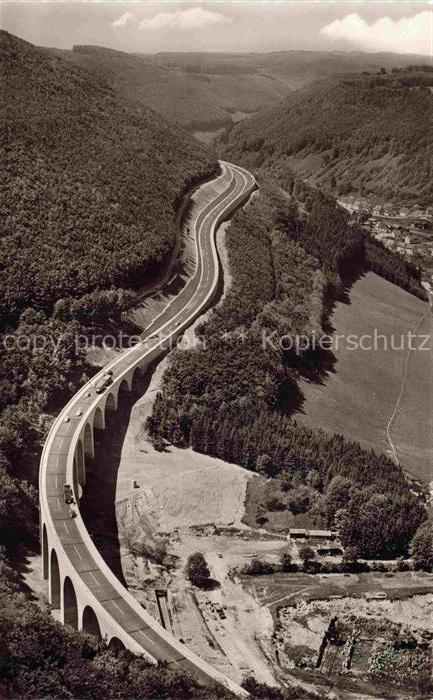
point(82, 590)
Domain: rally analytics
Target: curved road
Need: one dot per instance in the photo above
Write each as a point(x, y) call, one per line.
point(93, 581)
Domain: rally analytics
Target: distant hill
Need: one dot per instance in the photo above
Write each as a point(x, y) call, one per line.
point(90, 182)
point(355, 133)
point(207, 90)
point(195, 100)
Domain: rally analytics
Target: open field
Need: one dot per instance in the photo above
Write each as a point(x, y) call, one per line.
point(358, 398)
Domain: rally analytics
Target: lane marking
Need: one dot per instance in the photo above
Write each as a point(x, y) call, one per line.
point(146, 636)
point(78, 551)
point(116, 605)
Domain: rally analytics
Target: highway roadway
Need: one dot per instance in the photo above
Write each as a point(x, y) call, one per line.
point(94, 583)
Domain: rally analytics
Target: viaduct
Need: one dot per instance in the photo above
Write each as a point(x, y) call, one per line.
point(82, 590)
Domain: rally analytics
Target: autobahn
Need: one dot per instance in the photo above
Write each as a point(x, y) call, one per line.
point(81, 586)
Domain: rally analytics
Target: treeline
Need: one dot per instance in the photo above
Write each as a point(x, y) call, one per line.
point(91, 183)
point(223, 398)
point(357, 133)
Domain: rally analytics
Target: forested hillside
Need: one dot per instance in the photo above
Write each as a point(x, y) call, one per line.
point(174, 94)
point(228, 397)
point(209, 90)
point(361, 133)
point(90, 182)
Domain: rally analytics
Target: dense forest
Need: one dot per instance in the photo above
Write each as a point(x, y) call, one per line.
point(363, 133)
point(225, 397)
point(85, 176)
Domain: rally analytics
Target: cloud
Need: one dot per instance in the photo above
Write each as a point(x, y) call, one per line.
point(194, 18)
point(123, 20)
point(406, 35)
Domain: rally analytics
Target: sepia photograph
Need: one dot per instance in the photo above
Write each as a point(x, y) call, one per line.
point(216, 354)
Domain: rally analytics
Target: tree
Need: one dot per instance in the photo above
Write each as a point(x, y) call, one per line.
point(197, 571)
point(421, 546)
point(306, 553)
point(286, 562)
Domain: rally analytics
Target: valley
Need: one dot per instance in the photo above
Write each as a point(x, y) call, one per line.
point(216, 380)
point(209, 91)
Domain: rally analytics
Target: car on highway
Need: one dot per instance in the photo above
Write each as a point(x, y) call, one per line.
point(104, 382)
point(68, 495)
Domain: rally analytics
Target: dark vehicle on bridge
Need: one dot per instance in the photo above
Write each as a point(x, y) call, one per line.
point(68, 495)
point(105, 381)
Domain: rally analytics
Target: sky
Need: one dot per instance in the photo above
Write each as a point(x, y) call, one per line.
point(243, 25)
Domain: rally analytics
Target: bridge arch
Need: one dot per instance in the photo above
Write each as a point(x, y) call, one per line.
point(98, 421)
point(89, 448)
point(79, 471)
point(90, 622)
point(110, 406)
point(124, 387)
point(70, 606)
point(115, 644)
point(45, 563)
point(135, 376)
point(54, 581)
